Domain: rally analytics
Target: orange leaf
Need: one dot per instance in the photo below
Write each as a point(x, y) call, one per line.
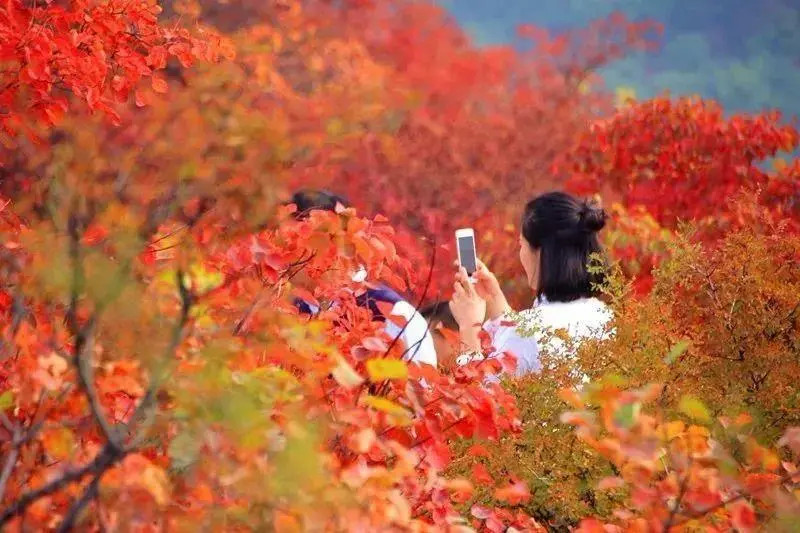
point(286, 523)
point(155, 481)
point(58, 442)
point(571, 397)
point(462, 489)
point(159, 84)
point(756, 483)
point(514, 493)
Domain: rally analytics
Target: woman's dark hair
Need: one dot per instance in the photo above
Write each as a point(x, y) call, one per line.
point(564, 229)
point(439, 311)
point(308, 200)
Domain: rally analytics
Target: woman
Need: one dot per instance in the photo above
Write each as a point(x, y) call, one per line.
point(443, 329)
point(415, 334)
point(557, 241)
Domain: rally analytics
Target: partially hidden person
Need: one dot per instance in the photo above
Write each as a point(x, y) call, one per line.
point(414, 334)
point(558, 241)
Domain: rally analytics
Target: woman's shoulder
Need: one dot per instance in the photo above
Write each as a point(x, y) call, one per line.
point(590, 311)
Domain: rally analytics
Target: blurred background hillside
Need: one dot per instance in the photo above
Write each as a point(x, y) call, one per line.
point(743, 53)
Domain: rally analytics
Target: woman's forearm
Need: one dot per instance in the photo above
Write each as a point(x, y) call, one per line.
point(470, 338)
point(497, 307)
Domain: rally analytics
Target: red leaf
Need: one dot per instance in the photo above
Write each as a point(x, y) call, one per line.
point(743, 517)
point(306, 296)
point(481, 475)
point(387, 309)
point(94, 234)
point(756, 483)
point(590, 525)
point(477, 450)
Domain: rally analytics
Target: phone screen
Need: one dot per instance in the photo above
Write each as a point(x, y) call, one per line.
point(466, 251)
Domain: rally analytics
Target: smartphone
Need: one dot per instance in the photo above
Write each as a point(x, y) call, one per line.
point(465, 244)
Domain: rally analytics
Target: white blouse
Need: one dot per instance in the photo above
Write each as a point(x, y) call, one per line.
point(525, 333)
point(415, 335)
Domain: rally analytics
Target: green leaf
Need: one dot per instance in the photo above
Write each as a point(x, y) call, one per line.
point(694, 408)
point(676, 351)
point(183, 450)
point(626, 415)
point(380, 369)
point(6, 400)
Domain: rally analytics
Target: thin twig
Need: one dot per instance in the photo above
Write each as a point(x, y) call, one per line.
point(681, 493)
point(382, 389)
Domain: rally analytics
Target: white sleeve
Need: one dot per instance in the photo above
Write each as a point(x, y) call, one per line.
point(416, 337)
point(506, 338)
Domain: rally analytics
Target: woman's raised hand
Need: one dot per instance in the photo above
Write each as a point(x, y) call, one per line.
point(468, 308)
point(488, 288)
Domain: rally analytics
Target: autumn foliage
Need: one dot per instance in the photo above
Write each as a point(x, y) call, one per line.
point(155, 374)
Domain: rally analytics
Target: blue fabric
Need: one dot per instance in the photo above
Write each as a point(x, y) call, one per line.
point(304, 307)
point(368, 299)
point(371, 297)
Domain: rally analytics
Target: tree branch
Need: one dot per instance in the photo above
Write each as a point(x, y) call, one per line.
point(11, 460)
point(82, 359)
point(187, 300)
point(681, 493)
point(82, 351)
point(105, 459)
point(78, 505)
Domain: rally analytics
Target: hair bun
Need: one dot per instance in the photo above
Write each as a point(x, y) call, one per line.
point(592, 217)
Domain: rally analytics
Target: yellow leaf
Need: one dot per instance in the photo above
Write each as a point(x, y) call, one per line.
point(155, 481)
point(694, 408)
point(380, 369)
point(673, 429)
point(624, 96)
point(387, 406)
point(6, 400)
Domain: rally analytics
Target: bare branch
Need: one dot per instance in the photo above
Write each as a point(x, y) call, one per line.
point(82, 351)
point(187, 300)
point(11, 460)
point(681, 493)
point(78, 505)
point(82, 359)
point(107, 457)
